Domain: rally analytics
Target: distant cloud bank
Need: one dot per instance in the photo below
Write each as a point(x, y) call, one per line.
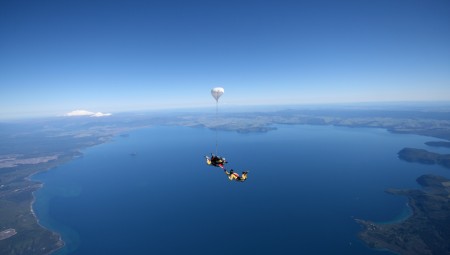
point(87, 113)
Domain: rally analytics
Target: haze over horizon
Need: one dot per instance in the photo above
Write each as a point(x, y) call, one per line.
point(109, 56)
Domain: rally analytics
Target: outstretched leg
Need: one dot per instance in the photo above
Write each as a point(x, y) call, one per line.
point(244, 176)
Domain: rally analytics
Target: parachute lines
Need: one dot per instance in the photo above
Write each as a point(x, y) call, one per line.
point(217, 93)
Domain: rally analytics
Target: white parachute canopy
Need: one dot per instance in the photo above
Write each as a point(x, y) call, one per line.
point(217, 92)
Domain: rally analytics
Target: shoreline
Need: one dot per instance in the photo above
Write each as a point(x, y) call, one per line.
point(66, 158)
point(422, 233)
point(19, 193)
point(17, 190)
point(44, 240)
point(41, 185)
point(60, 243)
point(401, 217)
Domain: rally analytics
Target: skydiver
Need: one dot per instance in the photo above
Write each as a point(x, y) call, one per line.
point(216, 161)
point(234, 176)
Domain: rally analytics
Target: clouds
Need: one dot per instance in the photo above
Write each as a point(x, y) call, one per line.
point(86, 113)
point(99, 114)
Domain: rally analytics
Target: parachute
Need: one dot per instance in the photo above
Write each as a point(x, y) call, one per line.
point(217, 92)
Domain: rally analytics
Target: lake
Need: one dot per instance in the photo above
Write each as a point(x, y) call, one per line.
point(152, 193)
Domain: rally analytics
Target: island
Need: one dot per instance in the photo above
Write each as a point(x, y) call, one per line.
point(424, 157)
point(427, 231)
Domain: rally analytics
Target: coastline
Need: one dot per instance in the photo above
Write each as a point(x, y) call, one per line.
point(422, 233)
point(407, 213)
point(21, 201)
point(45, 240)
point(60, 243)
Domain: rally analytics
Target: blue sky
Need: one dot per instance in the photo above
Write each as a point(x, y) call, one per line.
point(112, 56)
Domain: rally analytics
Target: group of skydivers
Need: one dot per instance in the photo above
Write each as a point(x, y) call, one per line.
point(220, 162)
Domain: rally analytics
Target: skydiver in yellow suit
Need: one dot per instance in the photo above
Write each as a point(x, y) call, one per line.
point(235, 177)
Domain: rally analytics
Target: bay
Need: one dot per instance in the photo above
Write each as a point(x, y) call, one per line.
point(152, 193)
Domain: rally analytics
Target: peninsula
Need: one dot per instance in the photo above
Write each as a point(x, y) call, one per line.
point(438, 144)
point(424, 157)
point(426, 232)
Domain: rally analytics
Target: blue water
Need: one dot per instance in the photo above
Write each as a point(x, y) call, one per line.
point(305, 185)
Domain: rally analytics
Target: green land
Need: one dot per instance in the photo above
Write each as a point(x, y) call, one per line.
point(427, 231)
point(32, 146)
